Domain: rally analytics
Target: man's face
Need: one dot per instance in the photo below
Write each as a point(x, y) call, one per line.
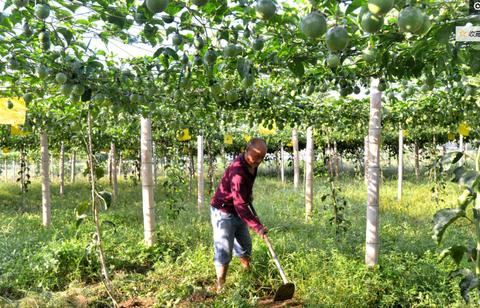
point(254, 156)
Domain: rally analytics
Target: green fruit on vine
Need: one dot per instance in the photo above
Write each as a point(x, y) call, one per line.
point(9, 104)
point(78, 89)
point(258, 44)
point(168, 18)
point(198, 42)
point(410, 19)
point(98, 98)
point(337, 39)
point(380, 7)
point(470, 91)
point(44, 37)
point(27, 97)
point(370, 55)
point(231, 51)
point(156, 6)
point(66, 89)
point(391, 95)
point(140, 18)
point(371, 23)
point(333, 60)
point(185, 59)
point(232, 96)
point(42, 71)
point(199, 2)
point(314, 25)
point(177, 39)
point(210, 57)
point(42, 11)
point(20, 3)
point(425, 88)
point(310, 89)
point(382, 86)
point(426, 25)
point(410, 91)
point(75, 98)
point(228, 85)
point(344, 91)
point(134, 98)
point(216, 89)
point(356, 90)
point(61, 78)
point(27, 31)
point(265, 9)
point(248, 81)
point(197, 60)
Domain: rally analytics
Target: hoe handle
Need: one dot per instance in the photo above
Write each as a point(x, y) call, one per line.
point(275, 259)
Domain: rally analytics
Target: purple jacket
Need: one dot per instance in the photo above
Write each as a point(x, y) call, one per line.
point(234, 194)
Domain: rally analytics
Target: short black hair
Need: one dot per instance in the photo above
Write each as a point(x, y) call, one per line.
point(256, 142)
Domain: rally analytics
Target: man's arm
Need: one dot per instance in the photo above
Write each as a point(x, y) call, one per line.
point(241, 204)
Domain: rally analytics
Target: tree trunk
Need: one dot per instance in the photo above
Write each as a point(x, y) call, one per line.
point(73, 164)
point(109, 166)
point(282, 163)
point(374, 134)
point(400, 165)
point(46, 216)
point(155, 165)
point(417, 160)
point(309, 175)
point(52, 163)
point(120, 164)
point(201, 178)
point(5, 170)
point(114, 173)
point(96, 214)
point(337, 160)
point(211, 172)
point(296, 160)
point(461, 147)
point(365, 160)
point(190, 172)
point(147, 182)
point(62, 169)
point(14, 167)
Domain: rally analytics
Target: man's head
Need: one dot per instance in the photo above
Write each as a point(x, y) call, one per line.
point(255, 152)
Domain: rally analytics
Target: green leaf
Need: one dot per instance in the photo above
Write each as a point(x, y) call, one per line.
point(450, 159)
point(111, 224)
point(464, 177)
point(355, 5)
point(442, 219)
point(67, 34)
point(456, 252)
point(106, 197)
point(465, 199)
point(468, 282)
point(297, 68)
point(82, 208)
point(170, 52)
point(80, 219)
point(158, 52)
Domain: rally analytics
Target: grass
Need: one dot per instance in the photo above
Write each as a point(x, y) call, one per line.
point(58, 267)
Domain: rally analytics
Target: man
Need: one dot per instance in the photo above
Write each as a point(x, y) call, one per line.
point(232, 210)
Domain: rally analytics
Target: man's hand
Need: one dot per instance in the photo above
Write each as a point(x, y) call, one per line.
point(264, 232)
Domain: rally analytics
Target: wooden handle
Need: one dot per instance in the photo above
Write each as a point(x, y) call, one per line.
point(275, 259)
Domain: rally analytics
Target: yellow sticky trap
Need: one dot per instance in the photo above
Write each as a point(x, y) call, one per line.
point(5, 150)
point(451, 136)
point(405, 134)
point(14, 115)
point(464, 129)
point(247, 137)
point(16, 130)
point(228, 139)
point(290, 144)
point(266, 131)
point(184, 135)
